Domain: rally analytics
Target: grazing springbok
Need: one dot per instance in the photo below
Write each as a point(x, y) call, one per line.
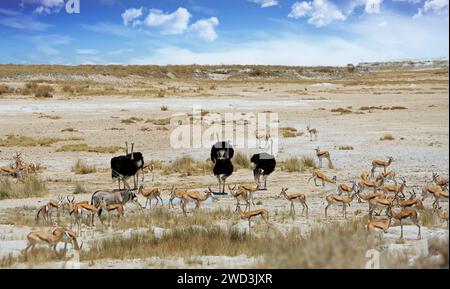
point(318, 174)
point(379, 224)
point(263, 213)
point(402, 215)
point(380, 164)
point(150, 194)
point(51, 239)
point(241, 195)
point(312, 131)
point(323, 154)
point(297, 197)
point(46, 211)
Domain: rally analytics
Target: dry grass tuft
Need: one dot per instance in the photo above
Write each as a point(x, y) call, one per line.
point(301, 164)
point(81, 168)
point(388, 137)
point(164, 108)
point(345, 148)
point(290, 132)
point(241, 161)
point(162, 121)
point(26, 141)
point(27, 188)
point(187, 166)
point(86, 148)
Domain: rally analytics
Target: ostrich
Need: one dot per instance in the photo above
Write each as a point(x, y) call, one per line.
point(263, 165)
point(127, 165)
point(221, 154)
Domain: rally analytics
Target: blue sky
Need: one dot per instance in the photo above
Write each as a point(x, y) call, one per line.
point(287, 32)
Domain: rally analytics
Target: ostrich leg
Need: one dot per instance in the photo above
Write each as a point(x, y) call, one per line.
point(219, 179)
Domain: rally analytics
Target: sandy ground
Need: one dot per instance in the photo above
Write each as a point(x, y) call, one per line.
point(420, 147)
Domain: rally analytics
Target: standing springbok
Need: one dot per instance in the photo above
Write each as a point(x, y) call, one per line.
point(338, 200)
point(297, 197)
point(312, 131)
point(241, 195)
point(150, 194)
point(323, 154)
point(381, 164)
point(373, 184)
point(396, 189)
point(347, 188)
point(195, 197)
point(318, 174)
point(405, 215)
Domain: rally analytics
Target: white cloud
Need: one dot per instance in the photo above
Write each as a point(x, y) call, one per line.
point(265, 3)
point(373, 6)
point(45, 6)
point(435, 6)
point(131, 15)
point(205, 28)
point(320, 12)
point(173, 23)
point(87, 51)
point(377, 37)
point(18, 20)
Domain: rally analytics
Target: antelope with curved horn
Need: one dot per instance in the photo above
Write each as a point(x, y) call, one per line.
point(312, 131)
point(381, 164)
point(373, 184)
point(318, 174)
point(298, 197)
point(405, 215)
point(343, 201)
point(381, 204)
point(323, 154)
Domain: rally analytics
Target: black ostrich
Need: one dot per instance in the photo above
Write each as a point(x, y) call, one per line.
point(127, 166)
point(263, 165)
point(221, 154)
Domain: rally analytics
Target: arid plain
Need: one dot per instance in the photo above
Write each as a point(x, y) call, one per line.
point(85, 115)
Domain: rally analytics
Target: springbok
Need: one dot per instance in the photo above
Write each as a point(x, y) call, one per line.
point(255, 213)
point(343, 201)
point(51, 239)
point(437, 193)
point(240, 195)
point(405, 215)
point(312, 131)
point(374, 184)
point(46, 211)
point(380, 164)
point(379, 224)
point(323, 154)
point(441, 182)
point(195, 197)
point(396, 189)
point(298, 197)
point(318, 174)
point(150, 194)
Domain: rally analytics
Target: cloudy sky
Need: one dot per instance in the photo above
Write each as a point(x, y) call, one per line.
point(288, 32)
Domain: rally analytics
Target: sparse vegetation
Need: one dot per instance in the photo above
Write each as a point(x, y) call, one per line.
point(4, 89)
point(69, 129)
point(26, 141)
point(298, 164)
point(288, 132)
point(164, 108)
point(86, 148)
point(187, 166)
point(162, 121)
point(131, 120)
point(27, 188)
point(241, 161)
point(81, 168)
point(345, 148)
point(387, 137)
point(80, 189)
